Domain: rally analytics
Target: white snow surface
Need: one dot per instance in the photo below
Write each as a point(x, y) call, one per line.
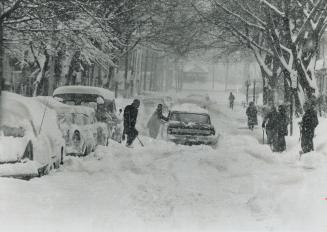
point(17, 111)
point(240, 186)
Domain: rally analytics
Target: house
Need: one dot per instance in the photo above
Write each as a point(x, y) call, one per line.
point(195, 73)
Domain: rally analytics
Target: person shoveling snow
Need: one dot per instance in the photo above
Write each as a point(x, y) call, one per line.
point(155, 121)
point(130, 117)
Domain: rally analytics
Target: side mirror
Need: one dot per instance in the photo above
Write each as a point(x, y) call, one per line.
point(59, 99)
point(100, 100)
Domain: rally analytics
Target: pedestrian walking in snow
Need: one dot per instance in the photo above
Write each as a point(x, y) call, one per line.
point(269, 121)
point(279, 143)
point(155, 121)
point(308, 125)
point(130, 117)
point(231, 99)
point(251, 112)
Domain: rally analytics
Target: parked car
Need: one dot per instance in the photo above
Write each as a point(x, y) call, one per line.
point(79, 126)
point(31, 143)
point(201, 100)
point(102, 100)
point(190, 124)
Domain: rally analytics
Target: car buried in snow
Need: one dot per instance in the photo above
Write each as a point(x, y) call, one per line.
point(79, 126)
point(81, 130)
point(31, 143)
point(100, 99)
point(189, 124)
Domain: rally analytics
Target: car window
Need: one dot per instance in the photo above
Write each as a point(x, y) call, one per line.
point(65, 118)
point(190, 118)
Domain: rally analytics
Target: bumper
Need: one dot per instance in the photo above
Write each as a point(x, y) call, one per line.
point(193, 140)
point(74, 150)
point(23, 170)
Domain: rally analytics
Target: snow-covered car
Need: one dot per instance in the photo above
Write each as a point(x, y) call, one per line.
point(102, 100)
point(81, 130)
point(30, 140)
point(190, 124)
point(201, 100)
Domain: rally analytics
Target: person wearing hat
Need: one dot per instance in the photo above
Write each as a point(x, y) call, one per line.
point(269, 122)
point(130, 117)
point(251, 112)
point(155, 121)
point(308, 125)
point(279, 143)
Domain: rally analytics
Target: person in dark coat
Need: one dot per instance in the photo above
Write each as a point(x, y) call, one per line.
point(231, 99)
point(130, 117)
point(269, 121)
point(279, 143)
point(308, 125)
point(251, 112)
point(155, 121)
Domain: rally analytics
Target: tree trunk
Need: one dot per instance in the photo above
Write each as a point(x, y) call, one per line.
point(145, 69)
point(264, 86)
point(126, 59)
point(2, 80)
point(227, 74)
point(51, 75)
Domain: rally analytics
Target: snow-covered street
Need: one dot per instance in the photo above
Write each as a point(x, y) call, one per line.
point(240, 186)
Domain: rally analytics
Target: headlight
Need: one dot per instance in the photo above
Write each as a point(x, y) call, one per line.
point(76, 136)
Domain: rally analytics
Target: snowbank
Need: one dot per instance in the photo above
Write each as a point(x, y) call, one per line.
point(240, 186)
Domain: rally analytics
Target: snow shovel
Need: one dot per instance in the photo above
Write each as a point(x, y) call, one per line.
point(140, 141)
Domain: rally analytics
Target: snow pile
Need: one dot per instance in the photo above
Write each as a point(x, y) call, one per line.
point(12, 148)
point(28, 168)
point(240, 186)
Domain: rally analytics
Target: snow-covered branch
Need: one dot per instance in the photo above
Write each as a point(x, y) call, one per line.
point(273, 8)
point(309, 20)
point(11, 9)
point(251, 14)
point(261, 62)
point(239, 17)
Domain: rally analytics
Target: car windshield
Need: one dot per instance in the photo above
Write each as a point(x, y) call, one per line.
point(190, 118)
point(89, 100)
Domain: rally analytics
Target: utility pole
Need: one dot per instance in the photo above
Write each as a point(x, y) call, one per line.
point(227, 74)
point(247, 84)
point(52, 54)
point(254, 82)
point(213, 76)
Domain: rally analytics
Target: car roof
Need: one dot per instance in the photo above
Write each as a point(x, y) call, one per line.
point(63, 108)
point(80, 89)
point(189, 108)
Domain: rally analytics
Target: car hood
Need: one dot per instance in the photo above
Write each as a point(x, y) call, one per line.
point(12, 148)
point(199, 126)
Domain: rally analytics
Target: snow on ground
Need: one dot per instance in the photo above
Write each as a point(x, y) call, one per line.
point(240, 186)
